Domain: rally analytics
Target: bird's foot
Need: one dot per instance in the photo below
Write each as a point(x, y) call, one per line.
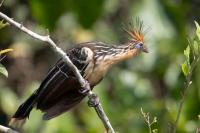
point(93, 101)
point(85, 89)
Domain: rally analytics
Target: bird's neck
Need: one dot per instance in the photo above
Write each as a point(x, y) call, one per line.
point(106, 57)
point(115, 54)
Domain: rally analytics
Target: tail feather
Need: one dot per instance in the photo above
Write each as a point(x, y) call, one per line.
point(19, 118)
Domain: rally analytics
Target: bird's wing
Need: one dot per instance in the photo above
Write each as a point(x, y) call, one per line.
point(59, 90)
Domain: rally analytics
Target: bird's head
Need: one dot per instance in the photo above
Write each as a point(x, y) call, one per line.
point(136, 33)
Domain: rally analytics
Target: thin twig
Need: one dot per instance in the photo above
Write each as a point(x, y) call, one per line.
point(60, 52)
point(147, 120)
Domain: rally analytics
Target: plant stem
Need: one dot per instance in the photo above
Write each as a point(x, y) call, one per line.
point(186, 88)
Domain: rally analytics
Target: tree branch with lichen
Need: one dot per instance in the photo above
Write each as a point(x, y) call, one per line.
point(46, 38)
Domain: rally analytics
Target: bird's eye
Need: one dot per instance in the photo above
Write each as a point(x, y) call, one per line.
point(136, 45)
point(141, 44)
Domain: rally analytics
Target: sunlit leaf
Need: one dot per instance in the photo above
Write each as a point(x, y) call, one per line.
point(3, 70)
point(2, 24)
point(5, 51)
point(196, 48)
point(185, 68)
point(187, 54)
point(197, 30)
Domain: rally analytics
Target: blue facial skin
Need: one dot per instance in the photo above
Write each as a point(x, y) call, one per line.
point(141, 47)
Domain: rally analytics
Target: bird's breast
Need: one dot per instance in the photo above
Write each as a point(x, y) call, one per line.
point(98, 72)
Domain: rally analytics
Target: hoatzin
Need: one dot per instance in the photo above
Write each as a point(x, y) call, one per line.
point(59, 91)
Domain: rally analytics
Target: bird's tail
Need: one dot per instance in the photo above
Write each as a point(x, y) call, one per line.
point(19, 118)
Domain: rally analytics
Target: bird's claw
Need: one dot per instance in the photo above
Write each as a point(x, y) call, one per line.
point(84, 91)
point(93, 101)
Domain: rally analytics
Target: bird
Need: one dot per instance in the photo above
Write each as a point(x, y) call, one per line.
point(59, 91)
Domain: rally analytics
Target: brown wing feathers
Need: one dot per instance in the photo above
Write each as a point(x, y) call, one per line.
point(59, 90)
point(62, 94)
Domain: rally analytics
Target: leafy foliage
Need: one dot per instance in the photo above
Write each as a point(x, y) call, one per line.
point(192, 51)
point(188, 69)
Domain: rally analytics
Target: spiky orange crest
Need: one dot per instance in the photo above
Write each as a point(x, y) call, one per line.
point(135, 30)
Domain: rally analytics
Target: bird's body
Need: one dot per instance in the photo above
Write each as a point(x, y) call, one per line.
point(59, 91)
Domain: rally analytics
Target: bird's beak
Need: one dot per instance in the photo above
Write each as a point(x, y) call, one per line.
point(141, 47)
point(144, 49)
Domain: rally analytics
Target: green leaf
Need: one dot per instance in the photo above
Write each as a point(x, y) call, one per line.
point(187, 54)
point(185, 68)
point(5, 51)
point(3, 70)
point(2, 24)
point(197, 30)
point(196, 48)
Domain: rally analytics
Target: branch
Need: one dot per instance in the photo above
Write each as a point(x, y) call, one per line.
point(98, 108)
point(7, 130)
point(149, 123)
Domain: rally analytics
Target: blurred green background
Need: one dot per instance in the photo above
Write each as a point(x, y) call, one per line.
point(151, 81)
